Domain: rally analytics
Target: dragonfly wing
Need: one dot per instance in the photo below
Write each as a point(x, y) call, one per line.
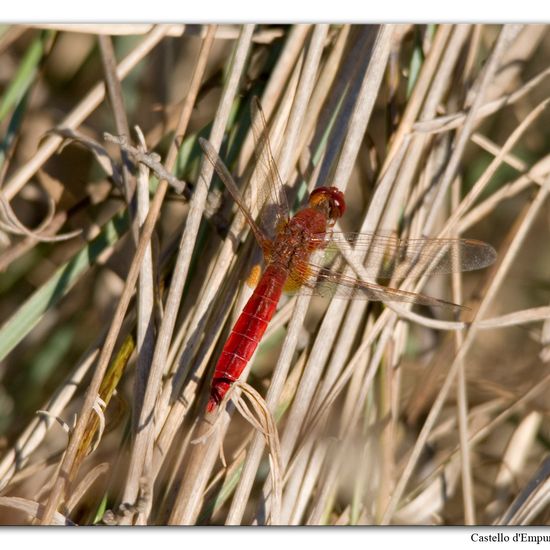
point(271, 191)
point(231, 186)
point(320, 281)
point(384, 255)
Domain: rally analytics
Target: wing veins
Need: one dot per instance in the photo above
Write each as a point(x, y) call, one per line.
point(231, 186)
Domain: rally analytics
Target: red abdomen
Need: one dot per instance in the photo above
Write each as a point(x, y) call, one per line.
point(247, 333)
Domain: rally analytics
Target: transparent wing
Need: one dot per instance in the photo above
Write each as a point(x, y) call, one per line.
point(271, 191)
point(387, 255)
point(228, 181)
point(320, 281)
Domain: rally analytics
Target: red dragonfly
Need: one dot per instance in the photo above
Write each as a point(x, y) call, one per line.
point(290, 244)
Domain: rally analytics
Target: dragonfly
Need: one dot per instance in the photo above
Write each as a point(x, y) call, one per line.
point(304, 255)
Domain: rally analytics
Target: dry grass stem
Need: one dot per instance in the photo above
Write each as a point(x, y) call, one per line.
point(145, 424)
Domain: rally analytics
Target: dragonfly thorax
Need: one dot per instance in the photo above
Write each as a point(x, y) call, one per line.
point(299, 238)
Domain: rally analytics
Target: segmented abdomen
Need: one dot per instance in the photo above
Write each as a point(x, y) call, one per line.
point(247, 332)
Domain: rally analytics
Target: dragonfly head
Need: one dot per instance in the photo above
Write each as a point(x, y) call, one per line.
point(330, 200)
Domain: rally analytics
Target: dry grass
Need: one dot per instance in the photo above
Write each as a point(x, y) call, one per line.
point(117, 289)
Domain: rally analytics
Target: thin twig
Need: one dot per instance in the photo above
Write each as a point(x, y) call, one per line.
point(151, 160)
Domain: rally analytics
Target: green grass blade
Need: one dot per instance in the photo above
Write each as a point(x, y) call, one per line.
point(49, 294)
point(25, 74)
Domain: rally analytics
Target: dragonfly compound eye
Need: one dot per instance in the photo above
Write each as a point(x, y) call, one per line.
point(332, 197)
